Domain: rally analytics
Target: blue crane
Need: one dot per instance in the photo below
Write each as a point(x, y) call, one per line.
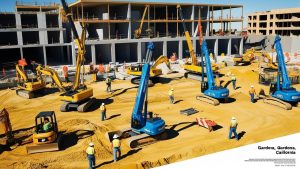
point(143, 124)
point(211, 93)
point(282, 92)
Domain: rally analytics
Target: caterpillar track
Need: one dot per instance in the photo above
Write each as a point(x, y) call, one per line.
point(207, 99)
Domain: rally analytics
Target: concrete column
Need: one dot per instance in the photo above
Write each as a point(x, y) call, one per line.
point(129, 18)
point(208, 23)
point(21, 52)
point(229, 47)
point(73, 54)
point(193, 18)
point(241, 47)
point(139, 51)
point(19, 26)
point(45, 55)
point(180, 49)
point(194, 45)
point(216, 47)
point(165, 48)
point(43, 36)
point(61, 33)
point(113, 52)
point(93, 50)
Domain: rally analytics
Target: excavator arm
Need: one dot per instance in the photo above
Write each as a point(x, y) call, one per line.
point(138, 32)
point(161, 59)
point(20, 73)
point(79, 42)
point(53, 74)
point(188, 38)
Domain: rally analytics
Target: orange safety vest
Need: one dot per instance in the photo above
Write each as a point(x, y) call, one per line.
point(65, 70)
point(101, 68)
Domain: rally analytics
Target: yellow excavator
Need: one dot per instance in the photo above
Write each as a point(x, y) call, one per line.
point(138, 32)
point(270, 63)
point(79, 97)
point(45, 138)
point(28, 87)
point(247, 57)
point(32, 87)
point(192, 67)
point(136, 70)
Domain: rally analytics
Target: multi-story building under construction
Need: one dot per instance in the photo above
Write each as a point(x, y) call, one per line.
point(37, 32)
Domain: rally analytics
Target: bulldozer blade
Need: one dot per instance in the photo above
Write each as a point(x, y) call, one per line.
point(42, 148)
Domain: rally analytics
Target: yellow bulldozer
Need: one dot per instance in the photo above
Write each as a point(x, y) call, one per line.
point(46, 136)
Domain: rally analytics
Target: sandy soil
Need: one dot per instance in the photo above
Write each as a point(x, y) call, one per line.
point(257, 122)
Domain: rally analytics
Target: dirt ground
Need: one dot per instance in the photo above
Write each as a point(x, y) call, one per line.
point(257, 122)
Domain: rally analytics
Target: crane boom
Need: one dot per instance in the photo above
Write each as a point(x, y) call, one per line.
point(188, 38)
point(209, 72)
point(282, 72)
point(79, 42)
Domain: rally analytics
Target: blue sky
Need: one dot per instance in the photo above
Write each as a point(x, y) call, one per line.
point(250, 6)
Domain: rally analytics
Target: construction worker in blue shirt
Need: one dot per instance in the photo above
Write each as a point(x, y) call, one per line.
point(90, 151)
point(232, 128)
point(116, 145)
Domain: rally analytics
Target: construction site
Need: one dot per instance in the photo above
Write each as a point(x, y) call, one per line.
point(161, 82)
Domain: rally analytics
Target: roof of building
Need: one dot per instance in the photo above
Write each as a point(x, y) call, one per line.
point(87, 3)
point(278, 11)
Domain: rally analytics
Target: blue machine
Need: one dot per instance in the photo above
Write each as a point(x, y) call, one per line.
point(139, 121)
point(209, 88)
point(282, 89)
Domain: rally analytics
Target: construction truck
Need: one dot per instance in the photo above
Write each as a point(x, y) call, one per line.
point(192, 67)
point(138, 31)
point(281, 93)
point(144, 127)
point(211, 93)
point(136, 69)
point(45, 140)
point(79, 97)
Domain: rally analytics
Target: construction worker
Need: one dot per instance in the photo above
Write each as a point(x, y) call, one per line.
point(108, 84)
point(103, 112)
point(91, 68)
point(252, 93)
point(66, 73)
point(232, 128)
point(116, 144)
point(90, 151)
point(171, 96)
point(47, 125)
point(233, 81)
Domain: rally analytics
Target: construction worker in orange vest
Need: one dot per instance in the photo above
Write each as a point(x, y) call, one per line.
point(232, 128)
point(66, 73)
point(252, 93)
point(90, 151)
point(116, 145)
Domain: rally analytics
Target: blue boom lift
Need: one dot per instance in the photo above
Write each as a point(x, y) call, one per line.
point(143, 124)
point(282, 93)
point(210, 92)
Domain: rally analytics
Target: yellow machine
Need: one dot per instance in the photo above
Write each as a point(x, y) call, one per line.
point(136, 70)
point(28, 88)
point(5, 127)
point(270, 63)
point(79, 96)
point(247, 57)
point(138, 32)
point(45, 140)
point(192, 67)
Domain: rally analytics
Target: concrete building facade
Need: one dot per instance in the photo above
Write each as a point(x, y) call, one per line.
point(39, 33)
point(284, 22)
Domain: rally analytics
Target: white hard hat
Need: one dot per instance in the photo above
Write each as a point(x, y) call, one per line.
point(172, 89)
point(115, 136)
point(91, 144)
point(251, 86)
point(233, 118)
point(102, 104)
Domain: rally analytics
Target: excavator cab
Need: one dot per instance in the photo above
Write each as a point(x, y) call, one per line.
point(45, 136)
point(273, 88)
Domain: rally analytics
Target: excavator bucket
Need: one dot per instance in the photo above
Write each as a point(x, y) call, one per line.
point(42, 148)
